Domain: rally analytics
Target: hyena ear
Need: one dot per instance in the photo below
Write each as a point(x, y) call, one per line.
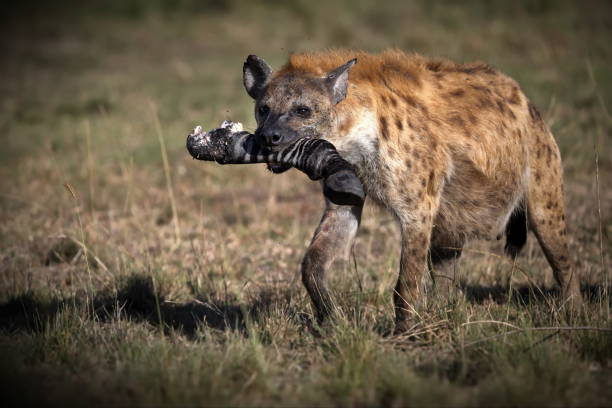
point(255, 75)
point(337, 81)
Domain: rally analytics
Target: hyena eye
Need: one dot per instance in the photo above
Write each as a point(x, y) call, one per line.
point(263, 110)
point(303, 111)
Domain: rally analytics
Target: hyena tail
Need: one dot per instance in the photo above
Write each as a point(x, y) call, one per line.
point(516, 231)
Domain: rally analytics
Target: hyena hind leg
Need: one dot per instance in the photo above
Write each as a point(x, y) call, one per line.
point(546, 214)
point(444, 255)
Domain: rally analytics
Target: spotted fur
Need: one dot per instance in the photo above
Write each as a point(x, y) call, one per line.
point(454, 151)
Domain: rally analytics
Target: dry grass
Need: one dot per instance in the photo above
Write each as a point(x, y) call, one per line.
point(155, 279)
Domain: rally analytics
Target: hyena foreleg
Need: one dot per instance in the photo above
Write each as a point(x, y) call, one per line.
point(334, 236)
point(410, 295)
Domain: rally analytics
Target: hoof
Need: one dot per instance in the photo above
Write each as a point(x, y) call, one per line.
point(344, 188)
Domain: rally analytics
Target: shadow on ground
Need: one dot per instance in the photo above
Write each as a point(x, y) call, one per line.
point(526, 294)
point(138, 300)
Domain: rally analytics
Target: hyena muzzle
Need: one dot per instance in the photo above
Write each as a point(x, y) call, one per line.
point(453, 151)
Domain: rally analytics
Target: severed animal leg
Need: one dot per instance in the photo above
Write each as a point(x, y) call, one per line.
point(318, 158)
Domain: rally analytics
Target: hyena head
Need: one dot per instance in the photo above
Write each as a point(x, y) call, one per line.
point(293, 105)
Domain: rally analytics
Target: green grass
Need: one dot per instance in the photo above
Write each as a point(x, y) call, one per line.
point(101, 304)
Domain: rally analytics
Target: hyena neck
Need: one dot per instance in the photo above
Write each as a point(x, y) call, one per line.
point(356, 137)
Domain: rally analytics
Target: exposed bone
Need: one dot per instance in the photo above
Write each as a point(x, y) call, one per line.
point(318, 158)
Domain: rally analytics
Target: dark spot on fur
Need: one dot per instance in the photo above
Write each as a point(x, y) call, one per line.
point(424, 109)
point(383, 127)
point(457, 92)
point(501, 107)
point(399, 124)
point(457, 120)
point(409, 100)
point(430, 184)
point(470, 69)
point(476, 68)
point(408, 164)
point(534, 113)
point(514, 98)
point(484, 103)
point(412, 77)
point(395, 68)
point(393, 101)
point(549, 154)
point(472, 118)
point(434, 66)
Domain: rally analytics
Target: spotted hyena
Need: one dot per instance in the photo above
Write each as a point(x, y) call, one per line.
point(453, 151)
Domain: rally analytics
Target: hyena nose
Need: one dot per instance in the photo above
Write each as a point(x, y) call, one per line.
point(273, 138)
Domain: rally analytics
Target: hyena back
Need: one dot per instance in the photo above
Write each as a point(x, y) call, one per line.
point(454, 151)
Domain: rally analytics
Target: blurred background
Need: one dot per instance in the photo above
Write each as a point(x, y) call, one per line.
point(97, 98)
point(89, 89)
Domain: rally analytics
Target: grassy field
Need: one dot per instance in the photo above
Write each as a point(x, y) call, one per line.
point(128, 279)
